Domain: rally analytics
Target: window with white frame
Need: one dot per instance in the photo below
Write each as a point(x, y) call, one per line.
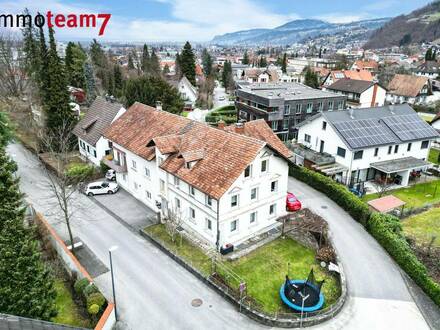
point(309, 107)
point(192, 191)
point(264, 165)
point(287, 109)
point(274, 186)
point(248, 171)
point(135, 185)
point(176, 181)
point(147, 172)
point(307, 138)
point(234, 225)
point(340, 105)
point(253, 217)
point(234, 200)
point(274, 125)
point(148, 194)
point(286, 124)
point(208, 200)
point(177, 203)
point(254, 193)
point(192, 213)
point(298, 109)
point(208, 224)
point(272, 209)
point(133, 164)
point(162, 186)
point(330, 105)
point(320, 106)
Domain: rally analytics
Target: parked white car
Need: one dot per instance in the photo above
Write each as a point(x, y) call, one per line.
point(101, 187)
point(111, 175)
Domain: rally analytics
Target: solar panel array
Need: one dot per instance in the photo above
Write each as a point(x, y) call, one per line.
point(365, 132)
point(409, 127)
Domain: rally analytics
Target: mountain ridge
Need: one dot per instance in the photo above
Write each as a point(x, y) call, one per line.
point(294, 31)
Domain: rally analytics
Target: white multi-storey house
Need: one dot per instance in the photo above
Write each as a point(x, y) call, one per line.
point(226, 184)
point(89, 130)
point(371, 143)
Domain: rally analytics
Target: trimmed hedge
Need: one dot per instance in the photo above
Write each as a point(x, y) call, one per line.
point(338, 193)
point(386, 229)
point(80, 172)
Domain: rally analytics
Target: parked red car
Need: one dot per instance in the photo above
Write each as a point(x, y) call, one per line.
point(292, 203)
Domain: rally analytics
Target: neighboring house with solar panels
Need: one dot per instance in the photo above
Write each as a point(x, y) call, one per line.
point(370, 143)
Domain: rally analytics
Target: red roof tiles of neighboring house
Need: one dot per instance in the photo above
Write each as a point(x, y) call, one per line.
point(407, 85)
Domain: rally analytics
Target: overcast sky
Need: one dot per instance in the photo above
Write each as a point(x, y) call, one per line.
point(201, 20)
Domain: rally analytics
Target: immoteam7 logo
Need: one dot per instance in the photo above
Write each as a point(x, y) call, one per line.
point(58, 20)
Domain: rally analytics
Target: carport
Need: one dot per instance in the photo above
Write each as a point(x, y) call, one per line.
point(402, 167)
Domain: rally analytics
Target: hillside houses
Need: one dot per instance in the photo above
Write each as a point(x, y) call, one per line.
point(408, 89)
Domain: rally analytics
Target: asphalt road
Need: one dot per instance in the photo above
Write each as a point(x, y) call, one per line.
point(153, 292)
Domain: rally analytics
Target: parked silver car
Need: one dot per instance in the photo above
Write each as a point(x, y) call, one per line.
point(111, 175)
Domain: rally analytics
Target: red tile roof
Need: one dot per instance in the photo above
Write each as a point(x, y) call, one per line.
point(219, 156)
point(407, 85)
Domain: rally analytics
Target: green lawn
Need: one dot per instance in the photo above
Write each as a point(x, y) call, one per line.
point(185, 113)
point(433, 156)
point(185, 250)
point(68, 312)
point(414, 196)
point(424, 226)
point(264, 269)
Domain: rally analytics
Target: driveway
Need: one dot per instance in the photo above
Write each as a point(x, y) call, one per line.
point(154, 292)
point(220, 92)
point(375, 284)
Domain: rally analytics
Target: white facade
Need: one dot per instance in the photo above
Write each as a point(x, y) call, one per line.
point(327, 140)
point(241, 212)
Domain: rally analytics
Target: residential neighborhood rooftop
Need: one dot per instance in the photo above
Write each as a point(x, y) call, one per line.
point(407, 85)
point(286, 90)
point(351, 85)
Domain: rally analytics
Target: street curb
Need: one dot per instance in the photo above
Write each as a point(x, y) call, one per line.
point(251, 313)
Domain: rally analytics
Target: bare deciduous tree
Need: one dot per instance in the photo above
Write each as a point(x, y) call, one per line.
point(62, 183)
point(173, 221)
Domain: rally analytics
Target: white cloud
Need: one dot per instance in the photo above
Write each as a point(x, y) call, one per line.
point(197, 20)
point(343, 17)
point(382, 5)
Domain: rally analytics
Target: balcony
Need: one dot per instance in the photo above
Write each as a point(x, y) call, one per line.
point(115, 164)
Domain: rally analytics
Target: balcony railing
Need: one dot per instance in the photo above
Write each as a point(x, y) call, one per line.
point(115, 164)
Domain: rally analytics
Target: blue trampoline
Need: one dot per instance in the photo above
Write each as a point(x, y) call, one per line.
point(292, 293)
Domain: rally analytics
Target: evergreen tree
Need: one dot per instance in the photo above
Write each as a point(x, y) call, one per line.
point(74, 63)
point(207, 62)
point(26, 285)
point(118, 80)
point(263, 62)
point(188, 63)
point(166, 70)
point(43, 78)
point(434, 55)
point(149, 90)
point(428, 55)
point(311, 78)
point(97, 53)
point(130, 64)
point(154, 64)
point(284, 64)
point(5, 130)
point(90, 82)
point(227, 79)
point(145, 63)
point(177, 66)
point(245, 58)
point(30, 48)
point(56, 106)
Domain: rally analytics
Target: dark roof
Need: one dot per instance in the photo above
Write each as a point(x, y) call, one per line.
point(351, 85)
point(369, 127)
point(99, 116)
point(396, 165)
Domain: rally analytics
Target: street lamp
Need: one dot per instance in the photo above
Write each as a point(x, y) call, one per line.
point(113, 249)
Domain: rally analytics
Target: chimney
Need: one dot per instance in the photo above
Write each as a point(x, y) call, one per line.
point(351, 111)
point(239, 128)
point(158, 105)
point(221, 124)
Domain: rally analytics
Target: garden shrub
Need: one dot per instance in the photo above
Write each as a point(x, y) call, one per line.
point(386, 230)
point(90, 289)
point(80, 172)
point(357, 208)
point(93, 309)
point(80, 285)
point(96, 298)
point(103, 167)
